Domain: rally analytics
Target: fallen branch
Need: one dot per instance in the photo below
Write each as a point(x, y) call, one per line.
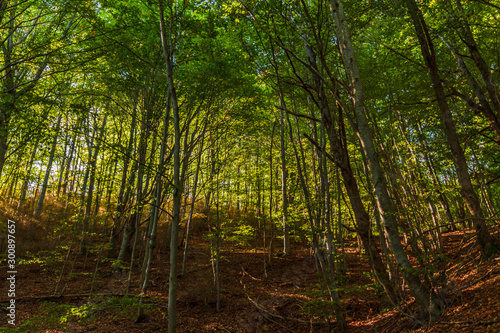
point(245, 272)
point(56, 297)
point(480, 279)
point(471, 322)
point(274, 321)
point(262, 309)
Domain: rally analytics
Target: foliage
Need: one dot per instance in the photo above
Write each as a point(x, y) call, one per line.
point(268, 121)
point(60, 316)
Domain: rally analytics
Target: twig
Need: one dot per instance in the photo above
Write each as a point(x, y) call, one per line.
point(478, 280)
point(224, 329)
point(464, 260)
point(261, 308)
point(471, 322)
point(52, 297)
point(457, 222)
point(245, 272)
point(274, 321)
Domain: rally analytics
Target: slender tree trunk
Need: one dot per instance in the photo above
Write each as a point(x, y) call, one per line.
point(151, 244)
point(24, 188)
point(63, 164)
point(13, 187)
point(141, 167)
point(92, 166)
point(331, 283)
point(434, 177)
point(217, 241)
point(475, 55)
point(68, 164)
point(125, 188)
point(39, 205)
point(168, 47)
point(191, 210)
point(271, 187)
point(284, 176)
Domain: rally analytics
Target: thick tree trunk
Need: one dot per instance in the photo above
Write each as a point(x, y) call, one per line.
point(467, 191)
point(426, 299)
point(338, 147)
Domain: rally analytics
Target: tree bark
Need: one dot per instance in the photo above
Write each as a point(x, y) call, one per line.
point(191, 210)
point(340, 155)
point(24, 188)
point(92, 166)
point(475, 54)
point(484, 105)
point(168, 48)
point(39, 205)
point(486, 242)
point(124, 191)
point(426, 299)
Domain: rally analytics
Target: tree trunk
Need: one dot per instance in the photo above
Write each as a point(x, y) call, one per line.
point(92, 166)
point(426, 299)
point(63, 163)
point(151, 241)
point(39, 205)
point(475, 55)
point(467, 191)
point(484, 105)
point(68, 165)
point(168, 47)
point(191, 210)
point(284, 175)
point(125, 188)
point(24, 188)
point(340, 155)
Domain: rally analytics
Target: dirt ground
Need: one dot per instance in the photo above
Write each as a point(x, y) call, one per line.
point(282, 297)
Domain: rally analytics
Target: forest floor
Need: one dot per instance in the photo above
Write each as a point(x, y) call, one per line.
point(287, 300)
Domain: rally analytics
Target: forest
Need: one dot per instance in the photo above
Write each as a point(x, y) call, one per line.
point(250, 166)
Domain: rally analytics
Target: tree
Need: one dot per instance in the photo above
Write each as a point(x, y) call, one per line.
point(425, 298)
point(468, 193)
point(48, 170)
point(31, 38)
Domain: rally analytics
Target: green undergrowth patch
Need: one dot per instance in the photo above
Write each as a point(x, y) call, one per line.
point(240, 235)
point(54, 316)
point(320, 308)
point(317, 306)
point(44, 257)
